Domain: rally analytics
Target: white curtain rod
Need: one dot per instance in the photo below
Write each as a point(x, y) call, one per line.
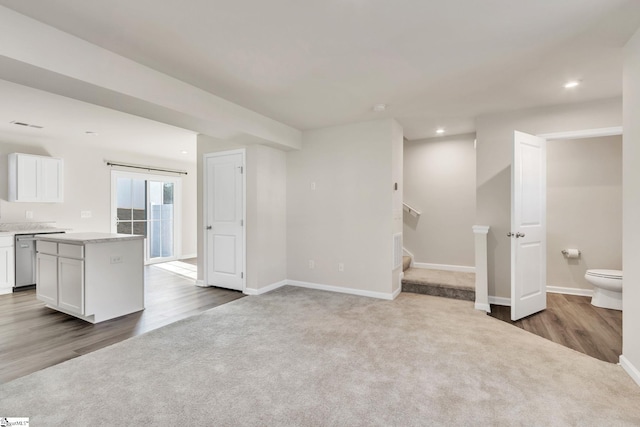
point(147, 168)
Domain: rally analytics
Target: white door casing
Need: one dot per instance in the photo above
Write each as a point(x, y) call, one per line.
point(528, 225)
point(224, 219)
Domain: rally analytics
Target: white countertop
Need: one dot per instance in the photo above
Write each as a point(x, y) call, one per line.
point(13, 228)
point(34, 231)
point(84, 238)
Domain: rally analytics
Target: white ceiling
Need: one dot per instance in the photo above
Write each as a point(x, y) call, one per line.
point(312, 64)
point(68, 120)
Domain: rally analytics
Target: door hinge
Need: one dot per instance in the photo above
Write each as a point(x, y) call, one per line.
point(242, 223)
point(242, 275)
point(241, 169)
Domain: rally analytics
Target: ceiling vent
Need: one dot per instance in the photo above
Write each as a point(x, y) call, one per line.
point(15, 122)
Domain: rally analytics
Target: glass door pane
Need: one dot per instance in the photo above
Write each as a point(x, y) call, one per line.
point(161, 222)
point(131, 195)
point(148, 205)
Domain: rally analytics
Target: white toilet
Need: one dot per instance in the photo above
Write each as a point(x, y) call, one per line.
point(607, 292)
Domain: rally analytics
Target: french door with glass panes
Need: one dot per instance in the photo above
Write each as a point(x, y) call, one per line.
point(148, 205)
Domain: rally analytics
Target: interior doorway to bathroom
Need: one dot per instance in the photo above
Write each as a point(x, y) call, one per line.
point(583, 212)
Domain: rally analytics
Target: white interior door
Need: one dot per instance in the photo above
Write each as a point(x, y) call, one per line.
point(528, 225)
point(224, 220)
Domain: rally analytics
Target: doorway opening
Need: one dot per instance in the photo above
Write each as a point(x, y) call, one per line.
point(583, 214)
point(148, 205)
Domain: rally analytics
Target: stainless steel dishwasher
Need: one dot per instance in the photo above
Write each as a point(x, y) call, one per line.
point(25, 256)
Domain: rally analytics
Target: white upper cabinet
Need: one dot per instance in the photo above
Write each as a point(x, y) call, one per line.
point(35, 178)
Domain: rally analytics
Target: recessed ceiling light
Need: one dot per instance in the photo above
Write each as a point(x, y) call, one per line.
point(378, 108)
point(439, 131)
point(184, 152)
point(91, 133)
point(572, 83)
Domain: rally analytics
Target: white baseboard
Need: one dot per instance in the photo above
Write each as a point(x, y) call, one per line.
point(570, 291)
point(500, 301)
point(630, 369)
point(200, 283)
point(6, 290)
point(331, 288)
point(446, 267)
point(188, 256)
point(483, 307)
point(397, 292)
point(264, 290)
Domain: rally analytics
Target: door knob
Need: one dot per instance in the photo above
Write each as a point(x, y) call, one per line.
point(209, 227)
point(519, 235)
point(509, 234)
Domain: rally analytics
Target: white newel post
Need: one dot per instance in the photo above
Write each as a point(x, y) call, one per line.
point(482, 278)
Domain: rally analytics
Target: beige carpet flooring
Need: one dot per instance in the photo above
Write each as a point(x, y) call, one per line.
point(302, 357)
point(454, 279)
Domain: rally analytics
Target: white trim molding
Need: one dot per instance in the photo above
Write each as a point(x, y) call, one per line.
point(482, 268)
point(483, 307)
point(630, 369)
point(187, 256)
point(6, 290)
point(500, 301)
point(584, 133)
point(265, 289)
point(397, 292)
point(339, 289)
point(570, 291)
point(446, 267)
point(200, 283)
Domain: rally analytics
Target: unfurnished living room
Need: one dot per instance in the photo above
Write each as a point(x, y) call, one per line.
point(316, 213)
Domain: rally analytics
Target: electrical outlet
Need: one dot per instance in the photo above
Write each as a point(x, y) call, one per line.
point(85, 214)
point(116, 259)
point(341, 266)
point(312, 264)
point(28, 214)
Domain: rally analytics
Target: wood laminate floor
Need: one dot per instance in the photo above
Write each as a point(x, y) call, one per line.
point(573, 322)
point(33, 337)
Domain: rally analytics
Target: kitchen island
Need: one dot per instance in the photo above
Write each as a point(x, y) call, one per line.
point(92, 276)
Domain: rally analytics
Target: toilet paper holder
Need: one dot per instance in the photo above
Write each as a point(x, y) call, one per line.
point(566, 252)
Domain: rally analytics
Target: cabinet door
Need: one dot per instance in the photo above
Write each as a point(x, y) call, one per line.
point(27, 178)
point(6, 267)
point(71, 285)
point(51, 180)
point(47, 278)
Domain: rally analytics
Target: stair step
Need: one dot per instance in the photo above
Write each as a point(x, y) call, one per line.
point(448, 284)
point(406, 263)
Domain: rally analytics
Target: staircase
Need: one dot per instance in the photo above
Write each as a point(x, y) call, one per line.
point(440, 283)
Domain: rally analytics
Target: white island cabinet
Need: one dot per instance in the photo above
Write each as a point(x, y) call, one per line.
point(93, 276)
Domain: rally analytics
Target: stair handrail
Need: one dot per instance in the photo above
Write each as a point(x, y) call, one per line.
point(411, 210)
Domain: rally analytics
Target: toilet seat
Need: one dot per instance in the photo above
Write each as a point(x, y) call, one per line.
point(607, 274)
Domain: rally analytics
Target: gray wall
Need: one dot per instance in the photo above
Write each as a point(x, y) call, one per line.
point(494, 148)
point(349, 217)
point(584, 208)
point(440, 181)
point(631, 206)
